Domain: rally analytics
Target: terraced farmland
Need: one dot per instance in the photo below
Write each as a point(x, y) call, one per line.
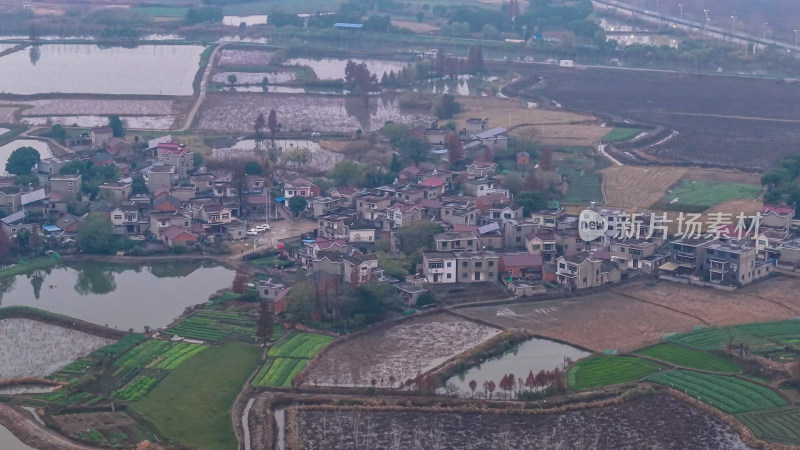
point(729, 394)
point(216, 326)
point(777, 425)
point(279, 372)
point(689, 358)
point(301, 345)
point(144, 353)
point(770, 339)
point(135, 389)
point(176, 355)
point(600, 371)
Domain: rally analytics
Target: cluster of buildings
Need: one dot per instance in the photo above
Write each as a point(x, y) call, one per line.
point(183, 204)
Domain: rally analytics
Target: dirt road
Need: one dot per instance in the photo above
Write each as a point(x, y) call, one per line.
point(34, 434)
point(202, 95)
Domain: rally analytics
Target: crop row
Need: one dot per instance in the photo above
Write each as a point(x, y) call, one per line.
point(80, 365)
point(136, 389)
point(195, 328)
point(176, 359)
point(607, 370)
point(729, 394)
point(780, 425)
point(124, 375)
point(686, 357)
point(142, 354)
point(281, 372)
point(301, 345)
point(121, 346)
point(755, 334)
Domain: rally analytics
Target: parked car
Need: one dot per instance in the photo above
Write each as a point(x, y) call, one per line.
point(262, 227)
point(252, 232)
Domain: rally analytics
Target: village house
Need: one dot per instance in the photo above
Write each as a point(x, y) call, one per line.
point(476, 126)
point(478, 187)
point(688, 256)
point(234, 229)
point(523, 159)
point(178, 155)
point(495, 139)
point(119, 148)
point(255, 183)
point(439, 267)
point(769, 242)
point(547, 218)
point(505, 211)
point(475, 267)
point(160, 176)
point(424, 122)
point(332, 226)
point(515, 230)
point(521, 265)
point(481, 169)
point(360, 269)
point(360, 231)
point(11, 198)
point(581, 271)
point(167, 203)
point(126, 219)
point(777, 216)
point(67, 185)
point(320, 206)
point(633, 251)
point(543, 244)
point(100, 136)
point(346, 194)
point(733, 265)
point(162, 220)
point(173, 236)
point(69, 224)
point(371, 206)
point(203, 182)
point(329, 262)
point(459, 212)
point(790, 254)
point(275, 294)
point(300, 187)
point(435, 137)
point(115, 192)
point(400, 215)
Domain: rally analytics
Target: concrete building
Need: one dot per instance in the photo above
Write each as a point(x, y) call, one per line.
point(581, 271)
point(69, 186)
point(439, 267)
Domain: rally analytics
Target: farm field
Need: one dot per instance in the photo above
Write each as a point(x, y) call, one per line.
point(776, 425)
point(301, 345)
point(654, 421)
point(279, 372)
point(254, 77)
point(689, 358)
point(104, 428)
point(243, 58)
point(727, 128)
point(93, 107)
point(697, 196)
point(729, 394)
point(636, 315)
point(33, 348)
point(216, 326)
point(779, 341)
point(638, 187)
point(237, 111)
point(402, 351)
point(600, 371)
point(585, 185)
point(207, 385)
point(622, 134)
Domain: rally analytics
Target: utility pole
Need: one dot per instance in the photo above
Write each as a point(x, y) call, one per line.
point(705, 24)
point(795, 37)
point(681, 6)
point(765, 30)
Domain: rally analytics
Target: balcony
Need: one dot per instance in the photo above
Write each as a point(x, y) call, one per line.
point(718, 265)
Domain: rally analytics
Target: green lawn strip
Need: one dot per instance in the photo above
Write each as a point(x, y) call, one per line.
point(698, 195)
point(600, 371)
point(192, 404)
point(729, 394)
point(144, 353)
point(688, 358)
point(622, 134)
point(776, 425)
point(300, 345)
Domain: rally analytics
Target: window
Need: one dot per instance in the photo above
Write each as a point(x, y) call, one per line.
point(491, 274)
point(370, 238)
point(562, 266)
point(464, 264)
point(449, 275)
point(469, 242)
point(519, 239)
point(449, 264)
point(491, 263)
point(117, 217)
point(435, 265)
point(444, 244)
point(478, 264)
point(464, 275)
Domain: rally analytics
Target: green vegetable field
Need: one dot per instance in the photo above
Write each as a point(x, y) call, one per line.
point(301, 345)
point(769, 339)
point(689, 358)
point(279, 372)
point(731, 395)
point(600, 371)
point(621, 134)
point(777, 425)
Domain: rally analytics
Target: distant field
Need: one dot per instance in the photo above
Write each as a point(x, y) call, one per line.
point(731, 395)
point(777, 425)
point(697, 196)
point(621, 134)
point(584, 185)
point(600, 371)
point(163, 11)
point(688, 358)
point(289, 6)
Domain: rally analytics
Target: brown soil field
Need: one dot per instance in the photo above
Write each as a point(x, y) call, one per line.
point(404, 351)
point(752, 129)
point(656, 421)
point(107, 423)
point(635, 315)
point(639, 187)
point(636, 187)
point(734, 207)
point(416, 27)
point(243, 58)
point(568, 135)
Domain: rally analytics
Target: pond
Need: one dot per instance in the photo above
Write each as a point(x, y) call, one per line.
point(333, 68)
point(533, 355)
point(89, 69)
point(464, 85)
point(10, 442)
point(234, 21)
point(6, 150)
point(117, 295)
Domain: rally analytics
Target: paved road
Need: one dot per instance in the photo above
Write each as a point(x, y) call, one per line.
point(202, 96)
